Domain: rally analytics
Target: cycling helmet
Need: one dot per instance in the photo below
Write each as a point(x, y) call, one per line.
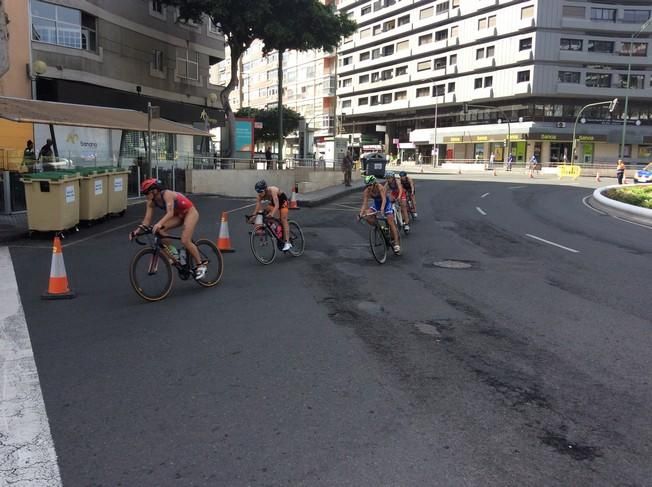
point(261, 186)
point(369, 180)
point(150, 184)
point(389, 175)
point(402, 174)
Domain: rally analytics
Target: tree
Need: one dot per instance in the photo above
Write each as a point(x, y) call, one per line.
point(280, 24)
point(269, 118)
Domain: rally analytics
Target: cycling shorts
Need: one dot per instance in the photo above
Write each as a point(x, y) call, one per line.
point(378, 203)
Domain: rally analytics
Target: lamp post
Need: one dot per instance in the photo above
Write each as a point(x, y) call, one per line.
point(627, 88)
point(612, 105)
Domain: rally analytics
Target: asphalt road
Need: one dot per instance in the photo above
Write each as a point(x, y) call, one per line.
point(530, 366)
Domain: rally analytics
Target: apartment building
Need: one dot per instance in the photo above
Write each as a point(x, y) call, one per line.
point(524, 67)
point(121, 54)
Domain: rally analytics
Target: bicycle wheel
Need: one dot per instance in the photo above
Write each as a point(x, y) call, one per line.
point(263, 245)
point(150, 274)
point(377, 244)
point(296, 239)
point(209, 251)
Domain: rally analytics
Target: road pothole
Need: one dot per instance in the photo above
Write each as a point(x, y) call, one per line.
point(452, 264)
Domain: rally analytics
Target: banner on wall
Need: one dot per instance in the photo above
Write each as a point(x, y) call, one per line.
point(244, 135)
point(81, 145)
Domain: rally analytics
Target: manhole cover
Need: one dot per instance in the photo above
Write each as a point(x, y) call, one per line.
point(452, 264)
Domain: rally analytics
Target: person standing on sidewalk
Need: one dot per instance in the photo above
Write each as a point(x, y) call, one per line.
point(620, 171)
point(347, 168)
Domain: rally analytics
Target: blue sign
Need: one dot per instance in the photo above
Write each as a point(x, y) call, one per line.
point(244, 135)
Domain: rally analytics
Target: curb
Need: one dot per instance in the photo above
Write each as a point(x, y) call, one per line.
point(618, 208)
point(314, 202)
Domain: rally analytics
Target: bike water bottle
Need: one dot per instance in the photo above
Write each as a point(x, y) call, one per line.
point(182, 256)
point(173, 251)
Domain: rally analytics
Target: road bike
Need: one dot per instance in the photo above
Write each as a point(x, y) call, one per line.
point(267, 237)
point(410, 206)
point(151, 268)
point(380, 239)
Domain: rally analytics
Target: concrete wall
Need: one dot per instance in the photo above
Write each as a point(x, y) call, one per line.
point(240, 183)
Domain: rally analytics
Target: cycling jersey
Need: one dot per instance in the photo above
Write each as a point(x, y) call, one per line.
point(283, 201)
point(378, 203)
point(181, 204)
point(407, 186)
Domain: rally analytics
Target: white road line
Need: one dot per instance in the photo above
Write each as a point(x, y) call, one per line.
point(481, 211)
point(27, 455)
point(517, 187)
point(347, 206)
point(335, 209)
point(633, 223)
point(590, 207)
point(552, 243)
point(485, 195)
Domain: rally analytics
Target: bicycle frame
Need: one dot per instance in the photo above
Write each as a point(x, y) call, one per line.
point(155, 241)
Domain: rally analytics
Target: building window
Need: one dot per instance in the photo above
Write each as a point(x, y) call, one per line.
point(477, 83)
point(63, 26)
point(363, 79)
point(365, 33)
point(600, 46)
point(491, 21)
point(346, 103)
point(388, 50)
point(157, 60)
point(598, 80)
point(426, 12)
point(214, 28)
point(603, 14)
point(443, 7)
point(491, 50)
point(455, 31)
point(568, 77)
point(386, 98)
point(522, 76)
point(479, 53)
point(345, 83)
point(386, 74)
point(440, 63)
point(488, 81)
point(403, 45)
point(425, 39)
point(347, 61)
point(423, 66)
point(365, 10)
point(364, 56)
point(363, 101)
point(377, 29)
point(441, 35)
point(157, 9)
point(636, 81)
point(525, 44)
point(575, 12)
point(456, 3)
point(636, 49)
point(527, 12)
point(421, 92)
point(405, 19)
point(570, 44)
point(438, 90)
point(451, 87)
point(187, 64)
point(636, 16)
point(401, 71)
point(400, 95)
point(482, 23)
point(452, 60)
point(389, 25)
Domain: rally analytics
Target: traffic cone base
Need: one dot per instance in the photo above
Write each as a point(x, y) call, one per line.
point(58, 285)
point(224, 240)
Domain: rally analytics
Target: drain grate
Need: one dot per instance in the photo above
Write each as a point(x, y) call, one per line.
point(452, 264)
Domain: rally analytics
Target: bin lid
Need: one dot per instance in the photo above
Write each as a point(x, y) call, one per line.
point(50, 176)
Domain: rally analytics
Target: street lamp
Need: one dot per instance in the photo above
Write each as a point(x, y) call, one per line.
point(629, 72)
point(612, 105)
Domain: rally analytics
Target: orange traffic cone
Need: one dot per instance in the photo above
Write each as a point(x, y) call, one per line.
point(294, 205)
point(58, 285)
point(224, 240)
point(597, 176)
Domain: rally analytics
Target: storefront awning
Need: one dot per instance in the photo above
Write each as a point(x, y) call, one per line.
point(47, 112)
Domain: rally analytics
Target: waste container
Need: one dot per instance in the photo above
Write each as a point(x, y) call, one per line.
point(374, 164)
point(52, 200)
point(94, 197)
point(117, 189)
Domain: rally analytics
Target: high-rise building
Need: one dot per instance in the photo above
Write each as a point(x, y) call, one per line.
point(524, 69)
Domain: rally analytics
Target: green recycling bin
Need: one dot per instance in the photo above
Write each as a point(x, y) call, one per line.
point(117, 189)
point(52, 200)
point(93, 202)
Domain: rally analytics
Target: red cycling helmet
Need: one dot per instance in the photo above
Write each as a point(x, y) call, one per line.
point(150, 184)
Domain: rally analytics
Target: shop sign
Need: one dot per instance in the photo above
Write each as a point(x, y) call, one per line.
point(406, 145)
point(453, 139)
point(592, 138)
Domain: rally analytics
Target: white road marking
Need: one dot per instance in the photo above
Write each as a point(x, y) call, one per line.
point(517, 187)
point(633, 223)
point(481, 211)
point(27, 455)
point(589, 206)
point(552, 243)
point(485, 195)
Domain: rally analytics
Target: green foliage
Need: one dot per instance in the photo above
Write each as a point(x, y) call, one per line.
point(269, 118)
point(637, 196)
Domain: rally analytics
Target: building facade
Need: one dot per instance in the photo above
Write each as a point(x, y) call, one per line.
point(524, 69)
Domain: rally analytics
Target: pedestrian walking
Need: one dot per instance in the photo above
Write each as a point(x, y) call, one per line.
point(347, 167)
point(492, 159)
point(620, 171)
point(533, 164)
point(510, 161)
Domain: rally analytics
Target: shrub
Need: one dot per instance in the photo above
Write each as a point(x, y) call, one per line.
point(641, 196)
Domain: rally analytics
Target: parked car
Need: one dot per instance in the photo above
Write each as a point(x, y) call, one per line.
point(643, 175)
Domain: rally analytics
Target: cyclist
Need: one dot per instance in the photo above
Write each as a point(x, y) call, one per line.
point(409, 190)
point(396, 193)
point(377, 193)
point(277, 208)
point(179, 210)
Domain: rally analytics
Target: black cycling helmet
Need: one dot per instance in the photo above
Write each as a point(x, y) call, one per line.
point(261, 186)
point(402, 174)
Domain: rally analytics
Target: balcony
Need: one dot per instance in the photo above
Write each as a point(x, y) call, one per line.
point(627, 28)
